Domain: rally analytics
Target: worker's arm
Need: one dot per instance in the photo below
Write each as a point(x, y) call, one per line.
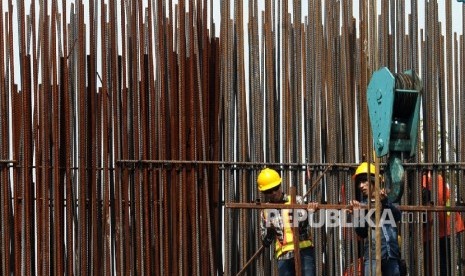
point(395, 211)
point(386, 204)
point(302, 214)
point(361, 228)
point(267, 232)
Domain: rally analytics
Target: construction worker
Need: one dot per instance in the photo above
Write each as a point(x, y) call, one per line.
point(276, 226)
point(444, 222)
point(364, 179)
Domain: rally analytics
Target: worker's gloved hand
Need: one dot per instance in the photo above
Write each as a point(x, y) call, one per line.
point(270, 236)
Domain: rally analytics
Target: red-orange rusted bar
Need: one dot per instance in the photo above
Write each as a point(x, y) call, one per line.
point(342, 207)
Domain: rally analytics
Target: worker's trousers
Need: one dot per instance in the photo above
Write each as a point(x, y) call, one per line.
point(389, 267)
point(307, 263)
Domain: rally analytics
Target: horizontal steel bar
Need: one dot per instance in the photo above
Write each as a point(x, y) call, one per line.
point(8, 161)
point(232, 163)
point(406, 90)
point(64, 168)
point(303, 165)
point(341, 207)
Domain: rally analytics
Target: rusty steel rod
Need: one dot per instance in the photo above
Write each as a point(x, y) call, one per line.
point(127, 132)
point(326, 206)
point(254, 256)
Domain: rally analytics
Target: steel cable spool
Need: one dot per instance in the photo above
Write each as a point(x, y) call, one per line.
point(394, 105)
point(404, 102)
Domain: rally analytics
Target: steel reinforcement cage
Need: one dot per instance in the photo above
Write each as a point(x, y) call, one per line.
point(132, 132)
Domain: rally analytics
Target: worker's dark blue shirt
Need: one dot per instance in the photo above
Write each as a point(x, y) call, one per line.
point(389, 243)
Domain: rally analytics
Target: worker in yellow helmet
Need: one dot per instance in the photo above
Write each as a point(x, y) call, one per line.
point(364, 179)
point(276, 225)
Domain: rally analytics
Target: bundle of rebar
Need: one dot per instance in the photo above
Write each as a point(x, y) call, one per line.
point(126, 126)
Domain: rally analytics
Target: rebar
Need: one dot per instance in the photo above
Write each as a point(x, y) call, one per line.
point(132, 132)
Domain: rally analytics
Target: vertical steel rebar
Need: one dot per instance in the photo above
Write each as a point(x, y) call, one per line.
point(102, 96)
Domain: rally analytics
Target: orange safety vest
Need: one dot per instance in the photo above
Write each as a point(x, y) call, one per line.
point(444, 218)
point(287, 243)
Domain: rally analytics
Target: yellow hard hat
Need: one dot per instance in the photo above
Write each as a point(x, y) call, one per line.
point(267, 179)
point(363, 169)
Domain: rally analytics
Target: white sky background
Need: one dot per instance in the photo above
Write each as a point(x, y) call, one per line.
point(456, 11)
point(457, 16)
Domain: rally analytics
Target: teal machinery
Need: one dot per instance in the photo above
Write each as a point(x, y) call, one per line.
point(394, 108)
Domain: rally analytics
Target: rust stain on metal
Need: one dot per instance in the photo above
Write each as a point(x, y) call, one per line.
point(131, 139)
